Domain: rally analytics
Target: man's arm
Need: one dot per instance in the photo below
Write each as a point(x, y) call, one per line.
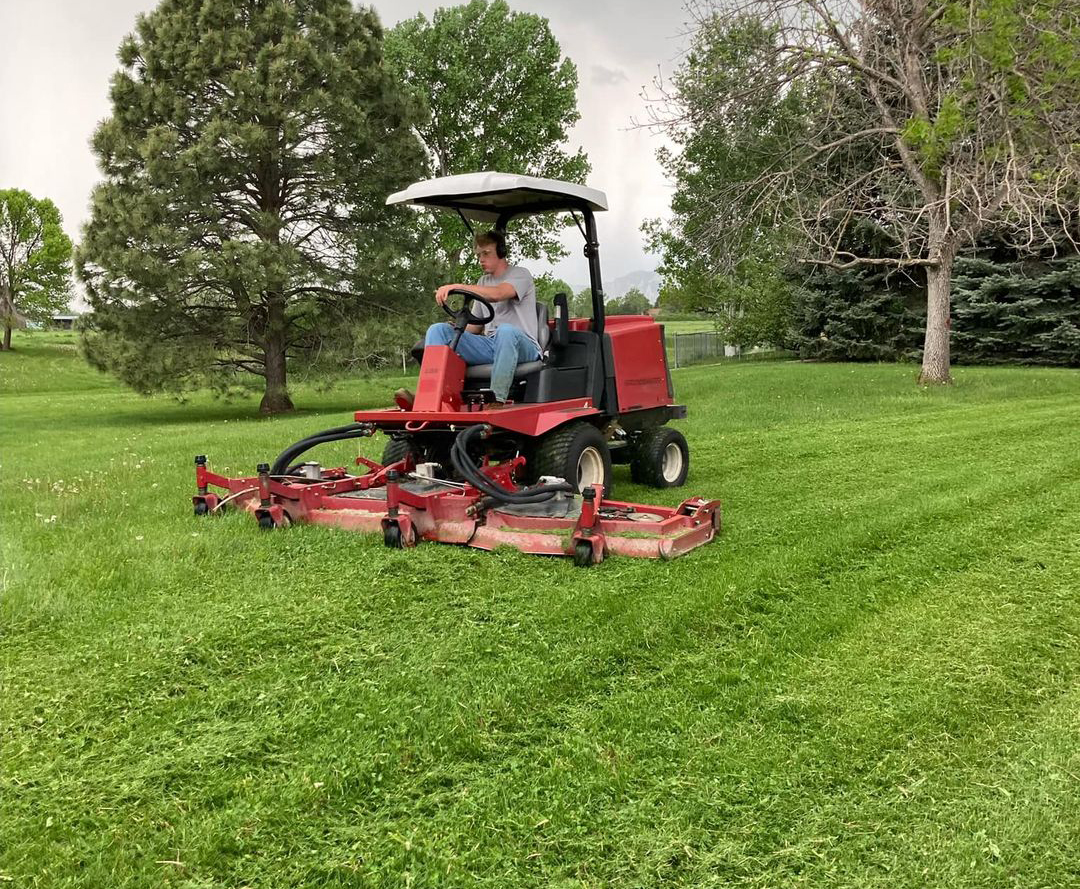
point(496, 293)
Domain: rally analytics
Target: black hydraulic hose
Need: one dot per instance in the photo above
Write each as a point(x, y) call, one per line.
point(464, 465)
point(285, 459)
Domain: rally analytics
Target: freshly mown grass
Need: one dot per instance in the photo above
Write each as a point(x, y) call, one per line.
point(870, 678)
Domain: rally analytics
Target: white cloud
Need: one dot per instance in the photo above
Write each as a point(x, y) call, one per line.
point(59, 57)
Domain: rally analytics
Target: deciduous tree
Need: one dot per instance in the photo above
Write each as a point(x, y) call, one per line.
point(547, 286)
point(500, 96)
point(35, 260)
point(923, 120)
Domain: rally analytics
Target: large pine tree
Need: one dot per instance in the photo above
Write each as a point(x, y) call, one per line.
point(241, 218)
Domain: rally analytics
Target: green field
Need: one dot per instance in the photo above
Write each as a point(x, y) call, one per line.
point(672, 328)
point(870, 678)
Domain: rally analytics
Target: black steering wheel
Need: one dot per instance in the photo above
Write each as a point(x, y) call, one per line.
point(464, 315)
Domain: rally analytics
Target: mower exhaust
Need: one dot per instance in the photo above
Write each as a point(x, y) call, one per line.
point(409, 504)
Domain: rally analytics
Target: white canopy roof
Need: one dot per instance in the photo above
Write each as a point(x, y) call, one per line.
point(484, 196)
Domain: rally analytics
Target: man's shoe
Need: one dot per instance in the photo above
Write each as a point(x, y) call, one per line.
point(403, 398)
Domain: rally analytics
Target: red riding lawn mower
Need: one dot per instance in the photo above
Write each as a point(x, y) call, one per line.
point(534, 473)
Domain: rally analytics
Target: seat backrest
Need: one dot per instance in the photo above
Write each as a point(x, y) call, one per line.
point(543, 332)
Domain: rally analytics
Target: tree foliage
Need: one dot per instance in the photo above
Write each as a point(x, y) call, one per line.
point(547, 286)
point(1008, 308)
point(799, 121)
point(499, 96)
point(35, 260)
point(1016, 309)
point(241, 221)
point(633, 302)
point(581, 303)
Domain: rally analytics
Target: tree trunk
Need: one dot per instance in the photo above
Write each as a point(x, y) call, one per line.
point(7, 314)
point(935, 363)
point(275, 398)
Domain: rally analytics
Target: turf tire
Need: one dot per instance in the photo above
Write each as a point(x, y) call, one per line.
point(660, 458)
point(560, 452)
point(396, 449)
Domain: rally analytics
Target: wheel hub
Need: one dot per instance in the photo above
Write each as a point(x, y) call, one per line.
point(673, 462)
point(590, 469)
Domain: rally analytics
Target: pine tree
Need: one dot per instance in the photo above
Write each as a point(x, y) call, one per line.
point(1008, 311)
point(241, 219)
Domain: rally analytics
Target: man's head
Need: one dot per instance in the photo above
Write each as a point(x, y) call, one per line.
point(490, 247)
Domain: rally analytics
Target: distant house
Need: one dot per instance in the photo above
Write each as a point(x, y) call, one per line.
point(62, 322)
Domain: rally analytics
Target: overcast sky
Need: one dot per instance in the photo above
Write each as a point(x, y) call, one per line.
point(59, 55)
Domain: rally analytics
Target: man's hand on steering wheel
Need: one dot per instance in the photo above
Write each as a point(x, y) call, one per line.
point(464, 314)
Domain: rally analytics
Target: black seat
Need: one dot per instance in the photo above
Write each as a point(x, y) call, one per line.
point(482, 372)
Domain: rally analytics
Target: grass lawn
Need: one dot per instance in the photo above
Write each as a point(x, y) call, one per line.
point(870, 679)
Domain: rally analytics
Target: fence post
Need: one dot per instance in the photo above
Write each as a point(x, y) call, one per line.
point(676, 351)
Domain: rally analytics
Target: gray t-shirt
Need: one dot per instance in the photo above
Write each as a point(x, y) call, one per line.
point(519, 311)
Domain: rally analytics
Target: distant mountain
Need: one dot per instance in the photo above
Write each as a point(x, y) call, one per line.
point(648, 282)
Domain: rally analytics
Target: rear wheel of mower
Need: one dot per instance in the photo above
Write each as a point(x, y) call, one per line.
point(577, 453)
point(660, 458)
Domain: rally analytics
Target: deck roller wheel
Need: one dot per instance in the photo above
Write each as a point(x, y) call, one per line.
point(395, 538)
point(267, 523)
point(583, 556)
point(392, 536)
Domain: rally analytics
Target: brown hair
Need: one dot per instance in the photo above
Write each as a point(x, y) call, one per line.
point(493, 238)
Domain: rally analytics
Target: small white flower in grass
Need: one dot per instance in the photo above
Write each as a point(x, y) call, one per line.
point(138, 537)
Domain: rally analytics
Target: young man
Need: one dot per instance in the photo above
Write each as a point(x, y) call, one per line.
point(511, 336)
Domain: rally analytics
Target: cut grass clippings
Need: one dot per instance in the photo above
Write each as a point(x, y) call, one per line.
point(869, 679)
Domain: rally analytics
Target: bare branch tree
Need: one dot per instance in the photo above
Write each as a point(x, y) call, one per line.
point(924, 121)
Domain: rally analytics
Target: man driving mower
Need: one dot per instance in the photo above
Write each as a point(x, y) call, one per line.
point(510, 337)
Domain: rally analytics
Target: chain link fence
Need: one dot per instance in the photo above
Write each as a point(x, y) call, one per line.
point(707, 347)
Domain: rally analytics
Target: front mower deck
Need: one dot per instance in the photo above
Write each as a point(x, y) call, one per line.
point(408, 508)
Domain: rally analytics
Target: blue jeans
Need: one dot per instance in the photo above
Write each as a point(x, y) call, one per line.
point(505, 350)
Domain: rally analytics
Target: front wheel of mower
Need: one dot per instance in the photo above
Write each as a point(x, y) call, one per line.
point(577, 453)
point(660, 458)
point(267, 523)
point(396, 449)
point(201, 508)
